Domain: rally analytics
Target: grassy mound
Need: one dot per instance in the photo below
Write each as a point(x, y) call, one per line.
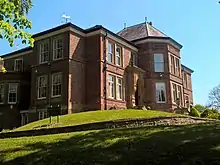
point(155, 145)
point(94, 116)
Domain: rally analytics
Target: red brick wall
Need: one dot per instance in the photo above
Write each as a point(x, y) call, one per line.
point(146, 62)
point(116, 71)
point(61, 65)
point(93, 72)
point(76, 81)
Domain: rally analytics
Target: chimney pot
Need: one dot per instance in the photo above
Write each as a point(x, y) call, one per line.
point(150, 23)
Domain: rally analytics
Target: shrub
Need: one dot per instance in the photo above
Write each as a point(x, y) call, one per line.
point(214, 111)
point(206, 113)
point(194, 112)
point(214, 116)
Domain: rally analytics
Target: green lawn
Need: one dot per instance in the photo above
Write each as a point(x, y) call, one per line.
point(186, 145)
point(95, 116)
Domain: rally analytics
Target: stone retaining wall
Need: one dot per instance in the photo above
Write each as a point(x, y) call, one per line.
point(125, 123)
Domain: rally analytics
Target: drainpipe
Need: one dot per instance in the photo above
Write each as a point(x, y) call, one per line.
point(183, 87)
point(104, 72)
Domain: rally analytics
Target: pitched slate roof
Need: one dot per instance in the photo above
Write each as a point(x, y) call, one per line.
point(140, 31)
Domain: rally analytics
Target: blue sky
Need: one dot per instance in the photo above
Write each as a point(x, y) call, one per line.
point(195, 24)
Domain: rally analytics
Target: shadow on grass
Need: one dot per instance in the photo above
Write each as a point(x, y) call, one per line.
point(160, 145)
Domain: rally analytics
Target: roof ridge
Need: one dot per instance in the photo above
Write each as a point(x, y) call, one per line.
point(157, 29)
point(147, 29)
point(130, 27)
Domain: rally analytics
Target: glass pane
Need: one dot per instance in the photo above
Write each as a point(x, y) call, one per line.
point(159, 67)
point(110, 57)
point(110, 78)
point(110, 47)
point(158, 58)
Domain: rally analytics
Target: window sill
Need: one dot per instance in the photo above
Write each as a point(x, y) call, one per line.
point(116, 100)
point(161, 102)
point(12, 103)
point(43, 62)
point(115, 65)
point(56, 96)
point(42, 98)
point(57, 59)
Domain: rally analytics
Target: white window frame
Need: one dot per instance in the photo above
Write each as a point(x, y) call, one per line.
point(172, 64)
point(174, 92)
point(16, 92)
point(23, 121)
point(118, 55)
point(177, 66)
point(2, 93)
point(111, 84)
point(39, 86)
point(42, 115)
point(16, 69)
point(185, 100)
point(43, 52)
point(53, 85)
point(56, 48)
point(156, 63)
point(185, 80)
point(110, 53)
point(180, 93)
point(119, 88)
point(159, 87)
point(134, 59)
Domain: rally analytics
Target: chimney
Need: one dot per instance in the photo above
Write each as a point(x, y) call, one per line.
point(150, 23)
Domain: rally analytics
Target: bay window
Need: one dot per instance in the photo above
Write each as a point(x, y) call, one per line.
point(160, 92)
point(158, 63)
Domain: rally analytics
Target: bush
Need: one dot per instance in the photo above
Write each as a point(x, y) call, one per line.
point(214, 111)
point(206, 113)
point(214, 116)
point(194, 112)
point(209, 112)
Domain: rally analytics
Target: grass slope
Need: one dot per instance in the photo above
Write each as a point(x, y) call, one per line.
point(94, 116)
point(155, 145)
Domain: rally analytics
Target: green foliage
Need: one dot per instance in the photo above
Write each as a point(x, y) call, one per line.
point(206, 113)
point(214, 116)
point(2, 69)
point(200, 107)
point(210, 113)
point(194, 112)
point(13, 21)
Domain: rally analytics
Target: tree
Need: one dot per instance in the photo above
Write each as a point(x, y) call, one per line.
point(200, 107)
point(2, 68)
point(13, 21)
point(214, 97)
